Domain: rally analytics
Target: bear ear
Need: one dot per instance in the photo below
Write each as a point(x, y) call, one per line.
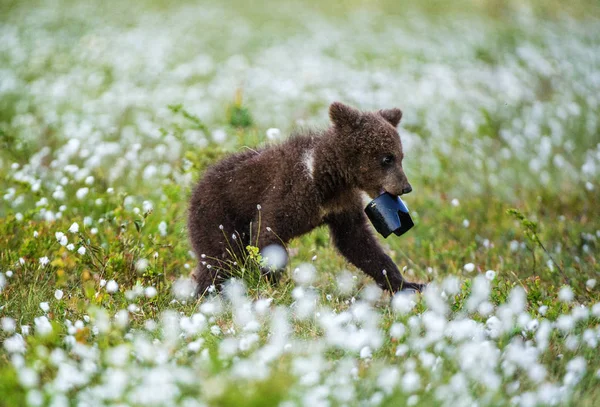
point(393, 116)
point(343, 115)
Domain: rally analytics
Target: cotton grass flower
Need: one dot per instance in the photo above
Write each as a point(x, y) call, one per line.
point(42, 326)
point(141, 265)
point(273, 133)
point(150, 292)
point(566, 294)
point(274, 256)
point(8, 324)
point(112, 287)
point(82, 193)
point(162, 228)
point(183, 289)
point(304, 274)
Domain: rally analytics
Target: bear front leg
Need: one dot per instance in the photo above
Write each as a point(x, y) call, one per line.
point(356, 243)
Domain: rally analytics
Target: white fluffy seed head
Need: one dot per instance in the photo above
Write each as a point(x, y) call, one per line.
point(58, 294)
point(304, 274)
point(566, 294)
point(469, 267)
point(183, 289)
point(274, 256)
point(141, 265)
point(112, 287)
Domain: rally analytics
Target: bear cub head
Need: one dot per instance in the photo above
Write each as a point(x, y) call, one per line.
point(370, 149)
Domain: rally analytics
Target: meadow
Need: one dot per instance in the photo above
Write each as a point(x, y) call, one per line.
point(110, 111)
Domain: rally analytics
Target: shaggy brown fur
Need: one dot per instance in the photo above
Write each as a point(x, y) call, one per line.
point(309, 180)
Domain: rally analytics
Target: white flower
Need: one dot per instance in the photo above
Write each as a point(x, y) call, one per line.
point(147, 206)
point(150, 292)
point(490, 275)
point(141, 265)
point(74, 228)
point(162, 228)
point(403, 302)
point(566, 294)
point(412, 400)
point(397, 330)
point(591, 283)
point(304, 274)
point(273, 133)
point(183, 288)
point(469, 267)
point(58, 294)
point(366, 353)
point(44, 261)
point(514, 245)
point(455, 202)
point(411, 382)
point(28, 377)
point(122, 318)
point(8, 324)
point(219, 136)
point(82, 193)
point(274, 256)
point(402, 349)
point(112, 286)
point(15, 344)
point(44, 306)
point(533, 325)
point(81, 250)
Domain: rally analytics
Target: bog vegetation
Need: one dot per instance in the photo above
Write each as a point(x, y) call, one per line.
point(109, 112)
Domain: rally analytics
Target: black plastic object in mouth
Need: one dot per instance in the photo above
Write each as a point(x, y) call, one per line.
point(389, 214)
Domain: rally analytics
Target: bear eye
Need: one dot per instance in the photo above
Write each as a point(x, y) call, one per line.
point(388, 160)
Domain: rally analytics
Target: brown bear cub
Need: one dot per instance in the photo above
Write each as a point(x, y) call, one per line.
point(288, 189)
